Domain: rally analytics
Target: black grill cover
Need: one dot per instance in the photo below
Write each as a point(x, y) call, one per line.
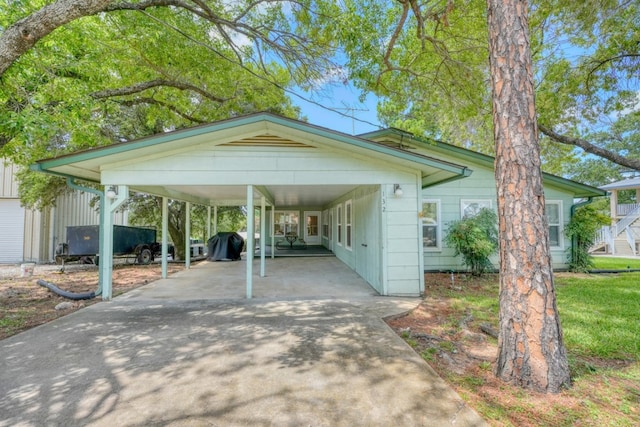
point(225, 247)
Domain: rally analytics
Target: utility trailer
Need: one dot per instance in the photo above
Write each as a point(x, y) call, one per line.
point(133, 243)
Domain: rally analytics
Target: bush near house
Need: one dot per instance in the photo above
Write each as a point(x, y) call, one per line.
point(476, 239)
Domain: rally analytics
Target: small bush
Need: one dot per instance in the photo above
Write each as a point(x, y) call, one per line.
point(476, 239)
point(582, 228)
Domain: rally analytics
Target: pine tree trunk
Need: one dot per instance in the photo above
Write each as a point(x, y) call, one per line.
point(531, 349)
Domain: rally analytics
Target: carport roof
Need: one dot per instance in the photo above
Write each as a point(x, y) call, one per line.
point(259, 128)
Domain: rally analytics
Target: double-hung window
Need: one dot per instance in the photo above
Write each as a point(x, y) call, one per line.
point(431, 227)
point(553, 212)
point(348, 220)
point(339, 225)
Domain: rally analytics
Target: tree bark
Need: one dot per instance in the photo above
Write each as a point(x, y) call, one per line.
point(531, 352)
point(24, 34)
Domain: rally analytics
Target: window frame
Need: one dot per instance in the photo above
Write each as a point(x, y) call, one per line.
point(484, 203)
point(290, 214)
point(348, 224)
point(560, 224)
point(339, 224)
point(438, 226)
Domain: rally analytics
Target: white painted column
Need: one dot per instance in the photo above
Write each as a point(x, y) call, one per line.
point(208, 224)
point(106, 262)
point(215, 220)
point(165, 237)
point(263, 229)
point(273, 238)
point(250, 240)
point(106, 254)
point(187, 236)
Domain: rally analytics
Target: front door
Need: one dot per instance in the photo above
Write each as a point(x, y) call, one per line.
point(312, 227)
point(367, 241)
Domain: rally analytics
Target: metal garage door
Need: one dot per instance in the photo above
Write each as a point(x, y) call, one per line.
point(11, 231)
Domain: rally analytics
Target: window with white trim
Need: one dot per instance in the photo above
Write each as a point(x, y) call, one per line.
point(348, 217)
point(553, 212)
point(431, 225)
point(470, 207)
point(325, 224)
point(286, 222)
point(339, 225)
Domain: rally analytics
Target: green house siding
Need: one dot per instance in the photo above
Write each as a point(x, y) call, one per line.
point(481, 186)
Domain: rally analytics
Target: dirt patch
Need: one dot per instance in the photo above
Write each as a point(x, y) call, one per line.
point(26, 304)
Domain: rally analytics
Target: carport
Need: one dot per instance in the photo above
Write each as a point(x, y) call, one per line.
point(369, 193)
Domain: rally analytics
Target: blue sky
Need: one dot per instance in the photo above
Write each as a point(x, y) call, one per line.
point(342, 98)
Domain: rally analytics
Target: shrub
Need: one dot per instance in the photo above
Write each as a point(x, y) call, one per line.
point(582, 228)
point(476, 239)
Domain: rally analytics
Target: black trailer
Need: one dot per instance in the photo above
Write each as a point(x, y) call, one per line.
point(83, 243)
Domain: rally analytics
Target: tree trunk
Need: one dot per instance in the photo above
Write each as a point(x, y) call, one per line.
point(531, 349)
point(176, 226)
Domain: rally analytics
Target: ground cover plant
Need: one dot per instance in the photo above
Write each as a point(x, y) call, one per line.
point(452, 330)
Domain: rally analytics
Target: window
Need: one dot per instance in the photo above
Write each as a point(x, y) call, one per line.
point(553, 212)
point(325, 224)
point(339, 224)
point(286, 222)
point(431, 224)
point(471, 207)
point(347, 223)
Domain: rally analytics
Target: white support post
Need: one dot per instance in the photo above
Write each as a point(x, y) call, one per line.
point(106, 262)
point(165, 237)
point(250, 240)
point(263, 228)
point(273, 238)
point(215, 220)
point(187, 236)
point(208, 224)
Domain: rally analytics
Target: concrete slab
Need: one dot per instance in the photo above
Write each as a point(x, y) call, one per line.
point(325, 277)
point(151, 360)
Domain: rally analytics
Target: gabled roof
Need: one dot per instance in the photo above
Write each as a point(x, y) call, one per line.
point(242, 130)
point(435, 146)
point(240, 134)
point(625, 184)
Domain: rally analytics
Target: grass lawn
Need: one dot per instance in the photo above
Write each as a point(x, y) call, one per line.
point(600, 316)
point(611, 263)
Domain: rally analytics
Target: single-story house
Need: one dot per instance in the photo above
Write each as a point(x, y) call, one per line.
point(31, 235)
point(380, 201)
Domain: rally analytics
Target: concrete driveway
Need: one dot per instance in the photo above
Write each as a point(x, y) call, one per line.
point(296, 360)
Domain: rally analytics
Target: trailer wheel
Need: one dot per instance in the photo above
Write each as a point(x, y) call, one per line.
point(145, 256)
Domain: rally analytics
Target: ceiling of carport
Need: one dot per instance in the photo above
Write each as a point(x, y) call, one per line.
point(236, 195)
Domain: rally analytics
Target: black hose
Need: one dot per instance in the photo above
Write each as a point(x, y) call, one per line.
point(70, 295)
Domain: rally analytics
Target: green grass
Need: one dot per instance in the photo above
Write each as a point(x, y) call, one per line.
point(610, 263)
point(599, 315)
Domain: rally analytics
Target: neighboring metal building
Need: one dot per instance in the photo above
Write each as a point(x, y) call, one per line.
point(28, 235)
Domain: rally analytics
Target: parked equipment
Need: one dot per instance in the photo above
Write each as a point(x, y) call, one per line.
point(83, 243)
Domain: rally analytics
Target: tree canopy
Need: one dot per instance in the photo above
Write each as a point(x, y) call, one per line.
point(428, 63)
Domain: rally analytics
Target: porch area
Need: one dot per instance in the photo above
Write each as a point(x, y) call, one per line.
point(622, 238)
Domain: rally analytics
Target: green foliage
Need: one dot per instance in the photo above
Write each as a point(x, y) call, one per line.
point(582, 228)
point(476, 239)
